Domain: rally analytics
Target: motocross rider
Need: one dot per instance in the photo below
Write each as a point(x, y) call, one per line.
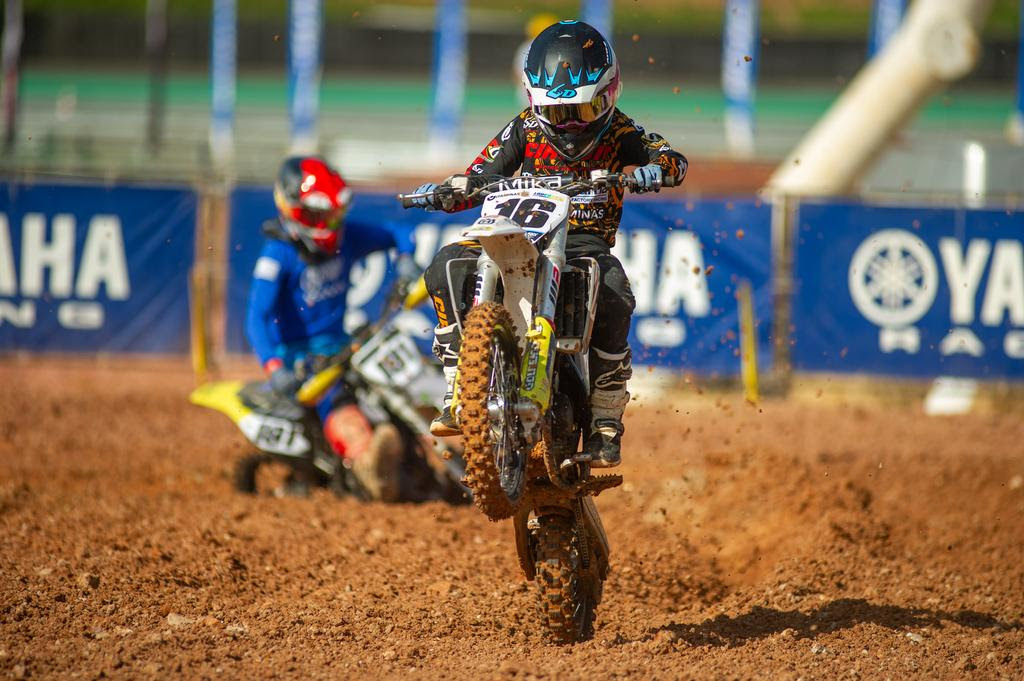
point(297, 304)
point(572, 125)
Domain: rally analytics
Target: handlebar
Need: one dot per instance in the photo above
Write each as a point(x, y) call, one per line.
point(572, 185)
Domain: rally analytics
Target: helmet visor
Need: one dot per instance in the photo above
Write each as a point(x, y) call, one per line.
point(582, 114)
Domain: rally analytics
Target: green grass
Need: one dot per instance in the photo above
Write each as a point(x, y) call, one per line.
point(846, 18)
point(359, 94)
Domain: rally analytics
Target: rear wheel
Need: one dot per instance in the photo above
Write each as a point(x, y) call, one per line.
point(567, 593)
point(488, 394)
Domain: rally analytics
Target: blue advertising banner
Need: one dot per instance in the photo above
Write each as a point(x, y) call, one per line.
point(910, 291)
point(684, 260)
point(95, 269)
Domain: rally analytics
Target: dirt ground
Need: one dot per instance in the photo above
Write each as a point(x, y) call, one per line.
point(803, 539)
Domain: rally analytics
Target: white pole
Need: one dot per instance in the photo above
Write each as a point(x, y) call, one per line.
point(938, 43)
point(975, 175)
point(1015, 126)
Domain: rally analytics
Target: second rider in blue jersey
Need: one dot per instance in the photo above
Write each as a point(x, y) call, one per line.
point(297, 306)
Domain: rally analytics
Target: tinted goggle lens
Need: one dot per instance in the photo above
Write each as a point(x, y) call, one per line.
point(587, 112)
point(323, 219)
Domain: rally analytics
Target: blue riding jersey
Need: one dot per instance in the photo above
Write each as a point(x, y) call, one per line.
point(297, 308)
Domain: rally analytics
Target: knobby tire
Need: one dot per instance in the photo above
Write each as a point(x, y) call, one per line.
point(485, 325)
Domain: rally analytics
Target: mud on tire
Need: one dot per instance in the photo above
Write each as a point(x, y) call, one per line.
point(486, 325)
point(567, 594)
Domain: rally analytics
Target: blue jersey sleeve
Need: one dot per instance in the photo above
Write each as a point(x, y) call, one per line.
point(367, 237)
point(268, 277)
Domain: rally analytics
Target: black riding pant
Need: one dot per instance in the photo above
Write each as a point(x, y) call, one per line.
point(614, 300)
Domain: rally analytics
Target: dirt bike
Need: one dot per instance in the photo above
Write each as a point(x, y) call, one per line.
point(391, 381)
point(522, 388)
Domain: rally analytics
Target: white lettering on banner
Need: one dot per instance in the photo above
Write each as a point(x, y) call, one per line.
point(8, 278)
point(665, 332)
point(37, 255)
point(1005, 291)
point(963, 273)
point(681, 277)
point(366, 278)
point(962, 341)
point(22, 316)
point(1013, 344)
point(83, 316)
point(103, 261)
point(907, 339)
point(638, 254)
point(893, 283)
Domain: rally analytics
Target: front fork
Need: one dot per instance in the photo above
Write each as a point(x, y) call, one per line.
point(539, 365)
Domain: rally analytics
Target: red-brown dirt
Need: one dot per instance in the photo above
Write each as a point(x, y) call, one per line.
point(802, 539)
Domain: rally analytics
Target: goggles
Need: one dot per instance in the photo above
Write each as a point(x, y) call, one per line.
point(585, 112)
point(320, 219)
point(318, 211)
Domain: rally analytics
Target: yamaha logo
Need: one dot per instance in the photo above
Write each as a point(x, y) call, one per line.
point(893, 278)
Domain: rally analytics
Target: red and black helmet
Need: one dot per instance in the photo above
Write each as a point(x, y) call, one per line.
point(312, 199)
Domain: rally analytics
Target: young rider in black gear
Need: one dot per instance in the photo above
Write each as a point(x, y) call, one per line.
point(572, 126)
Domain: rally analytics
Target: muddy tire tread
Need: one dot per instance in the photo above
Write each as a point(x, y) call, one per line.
point(560, 584)
point(474, 377)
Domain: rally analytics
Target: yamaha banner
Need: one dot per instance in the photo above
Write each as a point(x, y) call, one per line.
point(910, 291)
point(684, 261)
point(95, 269)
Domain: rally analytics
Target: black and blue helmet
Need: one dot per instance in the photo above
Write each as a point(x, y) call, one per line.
point(572, 80)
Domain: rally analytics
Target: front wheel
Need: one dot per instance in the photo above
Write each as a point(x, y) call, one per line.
point(567, 593)
point(488, 395)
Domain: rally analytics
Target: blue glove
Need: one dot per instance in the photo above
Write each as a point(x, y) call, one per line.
point(648, 178)
point(424, 202)
point(284, 383)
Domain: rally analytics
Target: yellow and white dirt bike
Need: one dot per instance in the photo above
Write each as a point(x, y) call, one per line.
point(391, 381)
point(522, 390)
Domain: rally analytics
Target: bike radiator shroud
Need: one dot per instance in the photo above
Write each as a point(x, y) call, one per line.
point(574, 310)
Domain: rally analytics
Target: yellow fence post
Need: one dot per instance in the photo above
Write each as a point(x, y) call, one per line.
point(748, 342)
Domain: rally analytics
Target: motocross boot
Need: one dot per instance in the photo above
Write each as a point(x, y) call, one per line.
point(608, 399)
point(446, 348)
point(373, 454)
